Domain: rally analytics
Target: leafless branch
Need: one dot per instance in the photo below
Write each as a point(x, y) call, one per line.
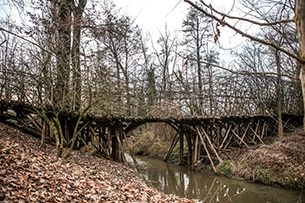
point(2, 43)
point(249, 72)
point(24, 39)
point(245, 19)
point(244, 34)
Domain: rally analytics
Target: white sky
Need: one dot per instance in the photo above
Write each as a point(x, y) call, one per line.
point(152, 15)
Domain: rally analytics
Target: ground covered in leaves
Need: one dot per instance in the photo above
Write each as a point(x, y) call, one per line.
point(29, 173)
point(280, 163)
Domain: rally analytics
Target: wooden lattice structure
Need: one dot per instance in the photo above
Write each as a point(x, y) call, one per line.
point(198, 137)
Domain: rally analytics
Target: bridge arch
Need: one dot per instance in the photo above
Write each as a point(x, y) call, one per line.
point(204, 137)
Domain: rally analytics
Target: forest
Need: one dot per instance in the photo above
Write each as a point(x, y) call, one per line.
point(86, 56)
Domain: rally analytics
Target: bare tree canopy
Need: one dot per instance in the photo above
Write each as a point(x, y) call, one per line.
point(74, 55)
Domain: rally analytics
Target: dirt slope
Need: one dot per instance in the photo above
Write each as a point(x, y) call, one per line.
point(29, 173)
point(280, 163)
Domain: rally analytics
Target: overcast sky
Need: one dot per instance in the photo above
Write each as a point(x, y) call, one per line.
point(152, 15)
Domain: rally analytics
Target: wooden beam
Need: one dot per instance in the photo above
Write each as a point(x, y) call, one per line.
point(211, 144)
point(172, 147)
point(206, 149)
point(244, 135)
point(195, 157)
point(255, 134)
point(240, 138)
point(225, 138)
point(181, 149)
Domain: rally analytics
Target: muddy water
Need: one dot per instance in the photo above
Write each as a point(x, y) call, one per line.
point(179, 180)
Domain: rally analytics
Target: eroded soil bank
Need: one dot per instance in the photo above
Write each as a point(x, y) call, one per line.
point(29, 173)
point(278, 162)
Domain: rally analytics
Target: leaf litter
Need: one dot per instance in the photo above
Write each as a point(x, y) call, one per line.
point(280, 163)
point(29, 173)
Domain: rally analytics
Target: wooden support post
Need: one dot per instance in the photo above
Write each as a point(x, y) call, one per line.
point(225, 138)
point(101, 136)
point(218, 134)
point(114, 147)
point(245, 132)
point(263, 130)
point(206, 149)
point(210, 143)
point(85, 134)
point(195, 157)
point(109, 140)
point(189, 150)
point(181, 154)
point(255, 134)
point(242, 141)
point(117, 145)
point(172, 147)
point(96, 142)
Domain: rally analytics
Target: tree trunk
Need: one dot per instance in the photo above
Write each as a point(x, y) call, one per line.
point(300, 25)
point(75, 54)
point(279, 94)
point(198, 57)
point(63, 54)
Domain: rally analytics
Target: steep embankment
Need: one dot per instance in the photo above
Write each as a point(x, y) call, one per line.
point(280, 163)
point(29, 173)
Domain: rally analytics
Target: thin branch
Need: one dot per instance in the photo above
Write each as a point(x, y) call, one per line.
point(243, 72)
point(245, 19)
point(23, 38)
point(244, 34)
point(249, 72)
point(2, 43)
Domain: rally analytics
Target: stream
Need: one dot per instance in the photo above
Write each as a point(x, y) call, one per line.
point(202, 187)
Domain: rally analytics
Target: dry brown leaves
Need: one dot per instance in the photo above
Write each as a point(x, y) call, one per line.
point(31, 174)
point(282, 163)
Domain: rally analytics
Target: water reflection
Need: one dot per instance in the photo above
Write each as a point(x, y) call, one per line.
point(173, 179)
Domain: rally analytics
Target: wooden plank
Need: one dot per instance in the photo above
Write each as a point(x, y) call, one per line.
point(206, 149)
point(240, 138)
point(181, 150)
point(244, 135)
point(172, 147)
point(226, 136)
point(230, 138)
point(257, 135)
point(211, 145)
point(195, 157)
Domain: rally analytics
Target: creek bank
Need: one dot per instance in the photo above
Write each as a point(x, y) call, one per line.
point(207, 187)
point(29, 173)
point(279, 162)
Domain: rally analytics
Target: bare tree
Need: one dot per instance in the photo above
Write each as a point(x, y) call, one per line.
point(77, 14)
point(121, 42)
point(198, 38)
point(300, 25)
point(260, 20)
point(166, 61)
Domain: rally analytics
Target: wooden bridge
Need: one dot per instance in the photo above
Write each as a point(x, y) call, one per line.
point(197, 136)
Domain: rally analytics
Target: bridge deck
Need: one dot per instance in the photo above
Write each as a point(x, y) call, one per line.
point(27, 108)
point(201, 136)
